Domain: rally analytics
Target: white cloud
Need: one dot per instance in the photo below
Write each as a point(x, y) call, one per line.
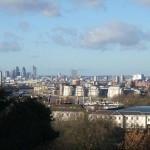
point(146, 2)
point(64, 36)
point(51, 10)
point(114, 33)
point(67, 31)
point(48, 8)
point(110, 36)
point(9, 46)
point(9, 36)
point(24, 26)
point(11, 42)
point(88, 3)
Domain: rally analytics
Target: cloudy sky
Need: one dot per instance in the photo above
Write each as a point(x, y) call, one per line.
point(97, 37)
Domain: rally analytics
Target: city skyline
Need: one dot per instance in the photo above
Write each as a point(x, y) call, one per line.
point(22, 71)
point(94, 36)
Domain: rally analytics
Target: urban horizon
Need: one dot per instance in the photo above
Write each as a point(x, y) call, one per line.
point(93, 36)
point(67, 72)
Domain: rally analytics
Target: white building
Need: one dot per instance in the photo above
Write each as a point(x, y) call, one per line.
point(114, 91)
point(129, 119)
point(122, 78)
point(93, 91)
point(96, 78)
point(67, 112)
point(68, 91)
point(41, 89)
point(80, 91)
point(117, 79)
point(138, 77)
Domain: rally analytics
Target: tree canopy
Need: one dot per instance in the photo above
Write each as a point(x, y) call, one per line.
point(136, 140)
point(25, 125)
point(101, 134)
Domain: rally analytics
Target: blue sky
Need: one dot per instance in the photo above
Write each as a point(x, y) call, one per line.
point(97, 37)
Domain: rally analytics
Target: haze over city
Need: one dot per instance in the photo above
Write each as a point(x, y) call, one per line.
point(96, 37)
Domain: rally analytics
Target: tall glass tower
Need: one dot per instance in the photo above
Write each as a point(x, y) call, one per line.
point(24, 74)
point(13, 73)
point(34, 72)
point(17, 71)
point(74, 73)
point(1, 77)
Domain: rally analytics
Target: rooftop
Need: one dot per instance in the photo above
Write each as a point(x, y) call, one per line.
point(136, 108)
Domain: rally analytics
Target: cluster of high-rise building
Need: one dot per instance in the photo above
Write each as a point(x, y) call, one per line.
point(74, 85)
point(17, 73)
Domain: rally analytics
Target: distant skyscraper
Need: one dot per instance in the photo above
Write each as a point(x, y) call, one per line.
point(24, 72)
point(13, 73)
point(138, 77)
point(34, 72)
point(117, 79)
point(74, 73)
point(1, 77)
point(28, 75)
point(95, 78)
point(17, 72)
point(122, 78)
point(7, 74)
point(106, 78)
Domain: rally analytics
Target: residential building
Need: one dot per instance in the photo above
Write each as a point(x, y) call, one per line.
point(75, 82)
point(40, 90)
point(114, 91)
point(80, 91)
point(67, 112)
point(68, 91)
point(130, 118)
point(93, 91)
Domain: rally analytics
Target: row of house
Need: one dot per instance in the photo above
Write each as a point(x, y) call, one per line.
point(125, 119)
point(130, 118)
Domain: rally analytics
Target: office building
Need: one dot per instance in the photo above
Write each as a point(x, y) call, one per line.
point(13, 73)
point(24, 74)
point(7, 74)
point(74, 73)
point(28, 75)
point(122, 78)
point(1, 77)
point(117, 79)
point(34, 72)
point(106, 78)
point(17, 72)
point(138, 77)
point(96, 78)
